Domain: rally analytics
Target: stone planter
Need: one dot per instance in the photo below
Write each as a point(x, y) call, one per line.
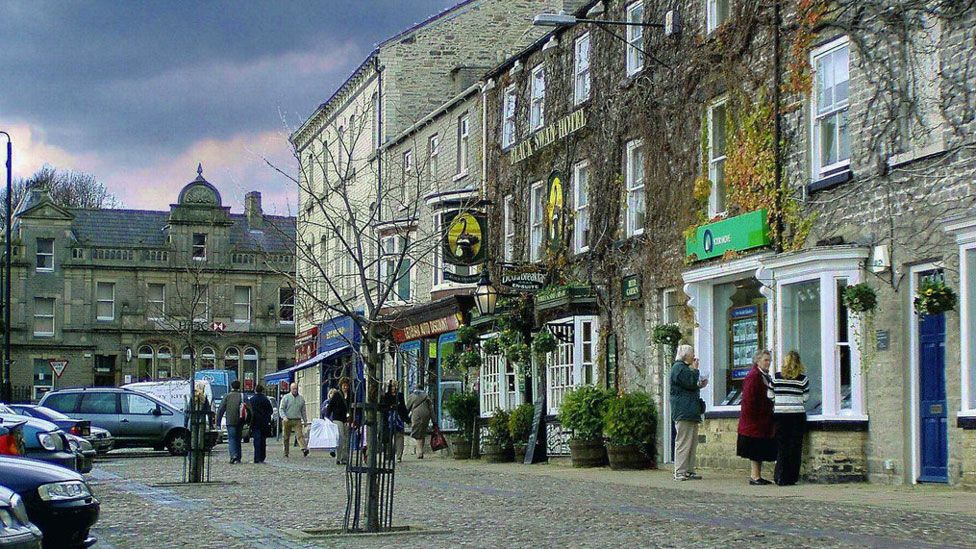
point(628, 456)
point(460, 447)
point(587, 453)
point(495, 453)
point(520, 450)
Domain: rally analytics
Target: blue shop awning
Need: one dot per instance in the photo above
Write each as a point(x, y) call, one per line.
point(288, 373)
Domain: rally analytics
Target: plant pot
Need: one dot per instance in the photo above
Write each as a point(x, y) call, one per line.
point(520, 450)
point(497, 453)
point(460, 447)
point(628, 456)
point(587, 453)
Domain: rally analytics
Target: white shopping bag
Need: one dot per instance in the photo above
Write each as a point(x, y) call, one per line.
point(323, 435)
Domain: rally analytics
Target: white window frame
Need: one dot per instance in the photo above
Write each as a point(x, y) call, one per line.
point(819, 171)
point(536, 221)
point(39, 314)
point(509, 104)
point(581, 217)
point(99, 300)
point(433, 151)
point(537, 98)
point(194, 247)
point(571, 350)
point(405, 180)
point(238, 303)
point(581, 69)
point(635, 38)
point(493, 379)
point(712, 16)
point(964, 231)
point(391, 255)
point(508, 226)
point(283, 305)
point(157, 308)
point(464, 134)
point(634, 186)
point(715, 162)
point(48, 255)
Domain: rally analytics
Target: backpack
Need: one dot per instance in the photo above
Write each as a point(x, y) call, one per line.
point(245, 413)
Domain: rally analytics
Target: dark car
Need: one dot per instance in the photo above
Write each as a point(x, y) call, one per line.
point(58, 501)
point(99, 438)
point(136, 420)
point(43, 441)
point(16, 530)
point(84, 453)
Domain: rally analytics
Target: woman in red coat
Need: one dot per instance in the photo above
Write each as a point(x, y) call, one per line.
point(756, 440)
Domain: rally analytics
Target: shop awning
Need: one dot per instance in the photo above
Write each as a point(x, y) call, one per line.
point(429, 319)
point(286, 374)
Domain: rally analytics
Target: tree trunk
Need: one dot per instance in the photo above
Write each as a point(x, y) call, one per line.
point(372, 440)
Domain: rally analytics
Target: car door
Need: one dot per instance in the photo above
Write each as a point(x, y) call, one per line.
point(102, 409)
point(143, 419)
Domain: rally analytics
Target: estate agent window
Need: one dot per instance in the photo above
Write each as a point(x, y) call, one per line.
point(43, 317)
point(536, 228)
point(831, 134)
point(715, 125)
point(635, 38)
point(537, 104)
point(635, 188)
point(105, 301)
point(581, 203)
point(45, 254)
point(508, 117)
point(581, 90)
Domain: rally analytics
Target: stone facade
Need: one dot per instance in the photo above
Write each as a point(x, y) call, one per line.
point(113, 292)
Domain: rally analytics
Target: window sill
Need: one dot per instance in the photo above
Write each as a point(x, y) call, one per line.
point(44, 270)
point(43, 336)
point(842, 424)
point(914, 155)
point(460, 176)
point(104, 320)
point(722, 414)
point(966, 420)
point(831, 181)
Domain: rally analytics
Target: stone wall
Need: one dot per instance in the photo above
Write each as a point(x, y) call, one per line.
point(834, 457)
point(967, 438)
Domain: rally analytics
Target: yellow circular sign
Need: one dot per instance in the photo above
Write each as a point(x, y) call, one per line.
point(464, 238)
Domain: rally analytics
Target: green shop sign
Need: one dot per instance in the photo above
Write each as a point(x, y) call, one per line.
point(630, 287)
point(742, 232)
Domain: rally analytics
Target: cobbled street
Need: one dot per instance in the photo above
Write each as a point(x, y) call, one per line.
point(474, 504)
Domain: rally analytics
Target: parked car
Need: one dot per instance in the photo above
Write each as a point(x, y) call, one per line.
point(58, 501)
point(136, 420)
point(12, 438)
point(43, 441)
point(84, 453)
point(99, 438)
point(16, 529)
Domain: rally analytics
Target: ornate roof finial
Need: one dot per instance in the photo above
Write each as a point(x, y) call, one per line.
point(200, 169)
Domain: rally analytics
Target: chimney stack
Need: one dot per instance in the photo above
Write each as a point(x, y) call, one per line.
point(252, 210)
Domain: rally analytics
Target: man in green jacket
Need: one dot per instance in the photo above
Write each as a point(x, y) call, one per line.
point(293, 416)
point(686, 411)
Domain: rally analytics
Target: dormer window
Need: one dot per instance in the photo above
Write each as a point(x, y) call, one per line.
point(199, 247)
point(45, 254)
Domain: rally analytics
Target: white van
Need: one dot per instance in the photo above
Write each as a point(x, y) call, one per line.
point(175, 392)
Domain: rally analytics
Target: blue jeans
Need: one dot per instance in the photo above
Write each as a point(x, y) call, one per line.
point(234, 441)
point(260, 445)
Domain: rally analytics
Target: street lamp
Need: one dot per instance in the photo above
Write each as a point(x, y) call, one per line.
point(6, 387)
point(485, 295)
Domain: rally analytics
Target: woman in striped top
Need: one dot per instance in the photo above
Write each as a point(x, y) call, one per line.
point(789, 391)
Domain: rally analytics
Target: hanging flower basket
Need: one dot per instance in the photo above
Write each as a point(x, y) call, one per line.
point(518, 354)
point(666, 334)
point(469, 360)
point(934, 297)
point(491, 346)
point(544, 343)
point(466, 335)
point(860, 298)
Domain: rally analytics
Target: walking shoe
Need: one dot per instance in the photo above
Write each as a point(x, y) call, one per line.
point(759, 482)
point(681, 477)
point(693, 475)
point(305, 452)
point(332, 454)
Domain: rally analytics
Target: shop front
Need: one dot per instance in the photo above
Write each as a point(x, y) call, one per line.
point(961, 434)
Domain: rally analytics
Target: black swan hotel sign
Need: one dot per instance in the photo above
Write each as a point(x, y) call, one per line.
point(565, 126)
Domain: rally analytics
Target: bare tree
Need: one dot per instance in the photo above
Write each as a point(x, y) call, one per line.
point(67, 188)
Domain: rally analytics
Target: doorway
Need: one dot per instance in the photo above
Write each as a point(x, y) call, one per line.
point(931, 410)
point(105, 371)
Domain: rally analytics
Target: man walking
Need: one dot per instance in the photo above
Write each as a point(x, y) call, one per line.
point(231, 405)
point(292, 411)
point(261, 410)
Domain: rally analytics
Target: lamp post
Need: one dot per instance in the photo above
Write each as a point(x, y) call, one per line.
point(5, 387)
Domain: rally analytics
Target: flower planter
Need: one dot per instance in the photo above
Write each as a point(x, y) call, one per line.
point(587, 453)
point(628, 456)
point(520, 450)
point(495, 453)
point(460, 447)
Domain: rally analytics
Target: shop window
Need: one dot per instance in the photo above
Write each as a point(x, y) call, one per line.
point(536, 225)
point(636, 208)
point(249, 370)
point(717, 13)
point(207, 359)
point(43, 317)
point(508, 117)
point(802, 333)
point(831, 134)
point(715, 124)
point(581, 203)
point(537, 103)
point(157, 301)
point(145, 363)
point(738, 315)
point(45, 254)
point(581, 69)
point(242, 304)
point(508, 243)
point(635, 38)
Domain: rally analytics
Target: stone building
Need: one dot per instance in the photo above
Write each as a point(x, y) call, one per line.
point(110, 296)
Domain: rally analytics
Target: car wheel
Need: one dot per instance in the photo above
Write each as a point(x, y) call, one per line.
point(178, 443)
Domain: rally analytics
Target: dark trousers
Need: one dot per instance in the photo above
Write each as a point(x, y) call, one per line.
point(234, 442)
point(789, 440)
point(260, 445)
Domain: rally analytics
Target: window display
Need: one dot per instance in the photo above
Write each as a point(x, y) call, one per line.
point(739, 314)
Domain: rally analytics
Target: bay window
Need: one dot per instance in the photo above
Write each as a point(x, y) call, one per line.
point(571, 364)
point(830, 132)
point(499, 383)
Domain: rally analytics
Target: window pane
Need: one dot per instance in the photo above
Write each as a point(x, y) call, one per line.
point(135, 404)
point(970, 305)
point(828, 130)
point(801, 333)
point(718, 131)
point(737, 334)
point(843, 137)
point(99, 403)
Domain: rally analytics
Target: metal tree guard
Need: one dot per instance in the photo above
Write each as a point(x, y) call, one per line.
point(371, 458)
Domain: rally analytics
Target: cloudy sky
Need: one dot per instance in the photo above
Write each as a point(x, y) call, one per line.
point(137, 93)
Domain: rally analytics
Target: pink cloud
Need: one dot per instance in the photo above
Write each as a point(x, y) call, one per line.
point(31, 151)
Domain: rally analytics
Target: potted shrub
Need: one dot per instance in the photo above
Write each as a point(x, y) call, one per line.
point(498, 445)
point(934, 297)
point(629, 425)
point(463, 407)
point(520, 429)
point(581, 412)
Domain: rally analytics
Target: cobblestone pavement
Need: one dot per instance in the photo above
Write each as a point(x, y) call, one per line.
point(482, 505)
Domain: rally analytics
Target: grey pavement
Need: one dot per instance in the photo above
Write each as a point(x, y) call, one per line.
point(473, 504)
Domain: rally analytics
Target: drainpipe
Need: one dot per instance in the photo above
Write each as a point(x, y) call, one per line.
point(379, 162)
point(777, 132)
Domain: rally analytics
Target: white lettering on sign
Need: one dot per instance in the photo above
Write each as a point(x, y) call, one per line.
point(563, 127)
point(724, 239)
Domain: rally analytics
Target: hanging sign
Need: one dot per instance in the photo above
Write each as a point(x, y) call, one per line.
point(630, 287)
point(306, 344)
point(738, 233)
point(523, 277)
point(463, 238)
point(555, 212)
point(58, 365)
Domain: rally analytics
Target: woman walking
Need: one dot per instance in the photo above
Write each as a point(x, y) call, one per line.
point(421, 412)
point(756, 441)
point(338, 411)
point(686, 410)
point(396, 416)
point(789, 390)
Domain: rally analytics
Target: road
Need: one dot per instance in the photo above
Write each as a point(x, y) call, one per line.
point(482, 505)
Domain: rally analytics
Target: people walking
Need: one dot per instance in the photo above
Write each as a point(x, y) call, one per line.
point(292, 411)
point(421, 412)
point(397, 416)
point(789, 390)
point(338, 412)
point(261, 413)
point(233, 406)
point(686, 410)
point(756, 441)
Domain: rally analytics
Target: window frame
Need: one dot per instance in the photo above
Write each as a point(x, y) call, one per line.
point(712, 19)
point(99, 300)
point(508, 228)
point(632, 188)
point(578, 366)
point(537, 98)
point(401, 242)
point(433, 152)
point(52, 316)
point(283, 304)
point(633, 58)
point(509, 107)
point(581, 69)
point(581, 214)
point(195, 247)
point(238, 303)
point(820, 171)
point(49, 255)
point(536, 226)
point(161, 311)
point(463, 145)
point(713, 161)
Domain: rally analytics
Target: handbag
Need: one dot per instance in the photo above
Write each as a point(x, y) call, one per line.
point(437, 440)
point(701, 405)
